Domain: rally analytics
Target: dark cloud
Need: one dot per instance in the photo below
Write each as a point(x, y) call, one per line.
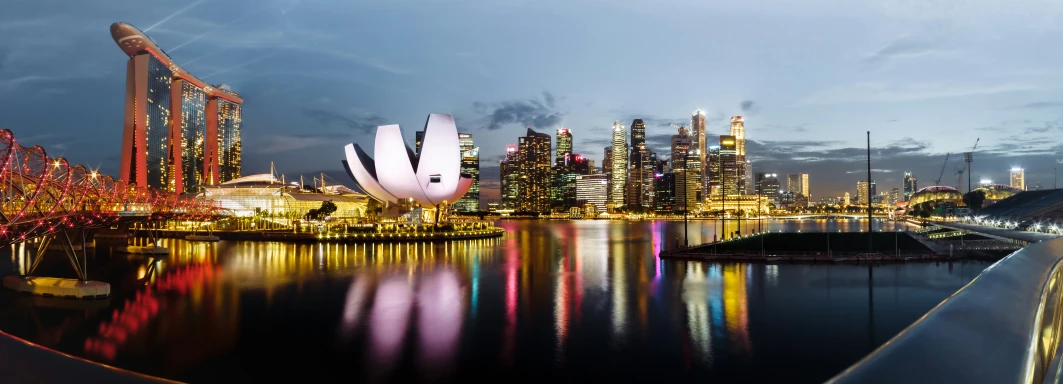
point(363, 123)
point(531, 112)
point(660, 143)
point(749, 107)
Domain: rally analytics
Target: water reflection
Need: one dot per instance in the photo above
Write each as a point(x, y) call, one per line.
point(550, 298)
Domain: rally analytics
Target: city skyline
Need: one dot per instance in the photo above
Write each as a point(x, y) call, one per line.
point(810, 123)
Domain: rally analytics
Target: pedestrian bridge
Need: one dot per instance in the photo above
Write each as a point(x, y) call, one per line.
point(1003, 327)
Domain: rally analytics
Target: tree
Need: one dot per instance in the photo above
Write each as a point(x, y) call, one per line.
point(974, 199)
point(327, 208)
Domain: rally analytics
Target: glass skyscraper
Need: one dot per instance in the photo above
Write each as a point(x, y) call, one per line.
point(470, 164)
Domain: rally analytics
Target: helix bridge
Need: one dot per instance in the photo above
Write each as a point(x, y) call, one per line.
point(44, 200)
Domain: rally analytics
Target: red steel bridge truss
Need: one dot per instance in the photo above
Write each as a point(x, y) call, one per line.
point(47, 198)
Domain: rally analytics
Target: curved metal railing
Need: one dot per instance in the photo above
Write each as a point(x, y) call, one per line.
point(1003, 327)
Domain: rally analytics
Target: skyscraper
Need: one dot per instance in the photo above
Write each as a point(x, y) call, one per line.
point(641, 181)
point(738, 130)
point(894, 197)
point(534, 152)
point(664, 188)
point(910, 185)
point(750, 186)
point(730, 178)
point(699, 146)
point(685, 187)
point(619, 165)
point(607, 166)
point(470, 164)
point(865, 193)
point(797, 183)
point(564, 145)
point(592, 189)
point(509, 167)
point(712, 171)
point(638, 138)
point(767, 185)
point(862, 195)
point(178, 131)
point(1018, 178)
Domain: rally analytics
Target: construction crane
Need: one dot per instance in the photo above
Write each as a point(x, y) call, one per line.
point(942, 174)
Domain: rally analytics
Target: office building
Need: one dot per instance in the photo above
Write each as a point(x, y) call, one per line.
point(731, 179)
point(712, 171)
point(619, 165)
point(509, 167)
point(910, 185)
point(564, 145)
point(797, 183)
point(563, 181)
point(767, 184)
point(534, 149)
point(638, 139)
point(685, 187)
point(470, 165)
point(592, 189)
point(894, 197)
point(865, 193)
point(846, 199)
point(178, 131)
point(749, 186)
point(641, 180)
point(1018, 178)
point(664, 188)
point(699, 146)
point(607, 165)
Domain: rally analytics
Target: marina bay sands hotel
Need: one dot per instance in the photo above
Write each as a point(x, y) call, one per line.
point(179, 131)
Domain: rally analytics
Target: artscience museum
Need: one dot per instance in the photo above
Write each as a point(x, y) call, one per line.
point(396, 174)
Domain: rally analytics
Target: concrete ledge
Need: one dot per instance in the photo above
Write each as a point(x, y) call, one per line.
point(148, 250)
point(25, 362)
point(57, 287)
point(202, 238)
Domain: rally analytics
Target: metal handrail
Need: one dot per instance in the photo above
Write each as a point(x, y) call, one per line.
point(1002, 327)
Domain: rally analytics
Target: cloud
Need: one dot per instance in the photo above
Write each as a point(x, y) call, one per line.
point(905, 47)
point(364, 123)
point(532, 112)
point(749, 107)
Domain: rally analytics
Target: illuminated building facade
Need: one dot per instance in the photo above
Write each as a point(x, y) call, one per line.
point(619, 165)
point(798, 184)
point(910, 185)
point(470, 165)
point(607, 165)
point(664, 201)
point(767, 184)
point(509, 167)
point(699, 146)
point(738, 130)
point(731, 179)
point(685, 188)
point(593, 189)
point(178, 131)
point(865, 192)
point(1018, 178)
point(534, 152)
point(564, 145)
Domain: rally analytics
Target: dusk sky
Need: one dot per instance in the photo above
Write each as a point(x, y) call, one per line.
point(925, 77)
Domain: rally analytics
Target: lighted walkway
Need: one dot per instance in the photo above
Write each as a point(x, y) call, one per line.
point(1010, 234)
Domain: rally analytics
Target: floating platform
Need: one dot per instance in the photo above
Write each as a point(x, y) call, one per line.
point(202, 238)
point(58, 287)
point(143, 250)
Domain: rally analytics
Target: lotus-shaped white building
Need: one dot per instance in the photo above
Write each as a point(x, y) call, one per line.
point(430, 177)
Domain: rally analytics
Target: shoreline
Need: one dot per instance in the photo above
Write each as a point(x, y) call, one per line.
point(336, 237)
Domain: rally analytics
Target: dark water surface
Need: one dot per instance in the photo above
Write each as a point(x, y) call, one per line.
point(572, 300)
